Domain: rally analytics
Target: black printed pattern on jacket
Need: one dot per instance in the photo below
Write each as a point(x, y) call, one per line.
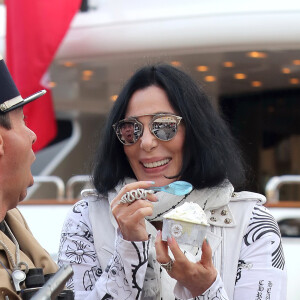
point(124, 276)
point(262, 222)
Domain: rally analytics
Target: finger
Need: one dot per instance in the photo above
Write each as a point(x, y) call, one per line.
point(136, 185)
point(161, 248)
point(152, 197)
point(133, 186)
point(206, 257)
point(133, 206)
point(178, 254)
point(141, 213)
point(132, 225)
point(134, 210)
point(136, 205)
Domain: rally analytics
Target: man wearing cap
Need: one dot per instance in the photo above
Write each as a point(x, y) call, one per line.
point(19, 251)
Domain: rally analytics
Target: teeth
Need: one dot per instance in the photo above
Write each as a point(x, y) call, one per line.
point(156, 163)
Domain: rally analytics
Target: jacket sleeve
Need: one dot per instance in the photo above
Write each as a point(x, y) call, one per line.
point(122, 278)
point(261, 272)
point(215, 291)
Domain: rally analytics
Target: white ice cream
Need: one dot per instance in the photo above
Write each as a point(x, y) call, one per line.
point(188, 212)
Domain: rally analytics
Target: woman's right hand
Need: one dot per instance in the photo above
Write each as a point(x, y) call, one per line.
point(131, 216)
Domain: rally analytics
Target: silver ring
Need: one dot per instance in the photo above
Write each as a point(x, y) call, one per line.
point(169, 265)
point(133, 195)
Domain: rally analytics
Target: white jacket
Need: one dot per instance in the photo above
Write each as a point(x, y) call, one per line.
point(243, 237)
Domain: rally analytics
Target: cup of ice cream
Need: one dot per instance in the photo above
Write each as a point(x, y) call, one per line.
point(186, 223)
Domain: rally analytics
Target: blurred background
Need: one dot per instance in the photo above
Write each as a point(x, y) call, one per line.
point(246, 53)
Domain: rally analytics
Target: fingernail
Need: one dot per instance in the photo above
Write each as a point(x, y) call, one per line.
point(152, 182)
point(170, 240)
point(158, 234)
point(207, 242)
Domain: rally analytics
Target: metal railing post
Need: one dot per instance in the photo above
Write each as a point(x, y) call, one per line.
point(273, 185)
point(73, 181)
point(53, 179)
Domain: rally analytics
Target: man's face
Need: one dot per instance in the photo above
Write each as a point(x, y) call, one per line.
point(16, 158)
point(127, 132)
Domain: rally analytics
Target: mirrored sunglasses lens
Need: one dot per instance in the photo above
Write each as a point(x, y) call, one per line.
point(165, 127)
point(128, 132)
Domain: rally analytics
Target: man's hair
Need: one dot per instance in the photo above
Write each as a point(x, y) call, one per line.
point(5, 121)
point(210, 154)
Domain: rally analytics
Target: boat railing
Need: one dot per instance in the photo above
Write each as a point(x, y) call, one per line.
point(57, 181)
point(64, 192)
point(67, 191)
point(275, 183)
point(73, 181)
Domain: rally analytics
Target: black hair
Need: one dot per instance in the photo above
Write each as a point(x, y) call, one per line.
point(5, 121)
point(210, 152)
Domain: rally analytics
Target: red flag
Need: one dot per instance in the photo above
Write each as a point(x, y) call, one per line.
point(35, 28)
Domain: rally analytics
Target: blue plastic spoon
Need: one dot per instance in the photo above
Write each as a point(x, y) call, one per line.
point(178, 188)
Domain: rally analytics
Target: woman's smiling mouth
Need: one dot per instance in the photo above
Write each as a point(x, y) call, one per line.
point(156, 163)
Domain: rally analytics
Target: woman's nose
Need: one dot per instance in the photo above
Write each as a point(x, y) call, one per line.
point(148, 140)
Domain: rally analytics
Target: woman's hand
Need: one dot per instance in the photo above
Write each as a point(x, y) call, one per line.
point(131, 217)
point(196, 277)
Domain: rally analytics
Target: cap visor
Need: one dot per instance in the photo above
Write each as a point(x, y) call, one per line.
point(28, 100)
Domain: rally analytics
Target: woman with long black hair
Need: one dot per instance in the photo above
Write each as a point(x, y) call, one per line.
point(113, 236)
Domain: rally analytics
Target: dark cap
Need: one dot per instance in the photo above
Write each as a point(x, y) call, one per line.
point(10, 97)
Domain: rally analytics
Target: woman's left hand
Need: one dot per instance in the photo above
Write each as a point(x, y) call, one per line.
point(196, 277)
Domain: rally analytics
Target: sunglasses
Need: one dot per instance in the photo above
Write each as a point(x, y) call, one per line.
point(162, 126)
